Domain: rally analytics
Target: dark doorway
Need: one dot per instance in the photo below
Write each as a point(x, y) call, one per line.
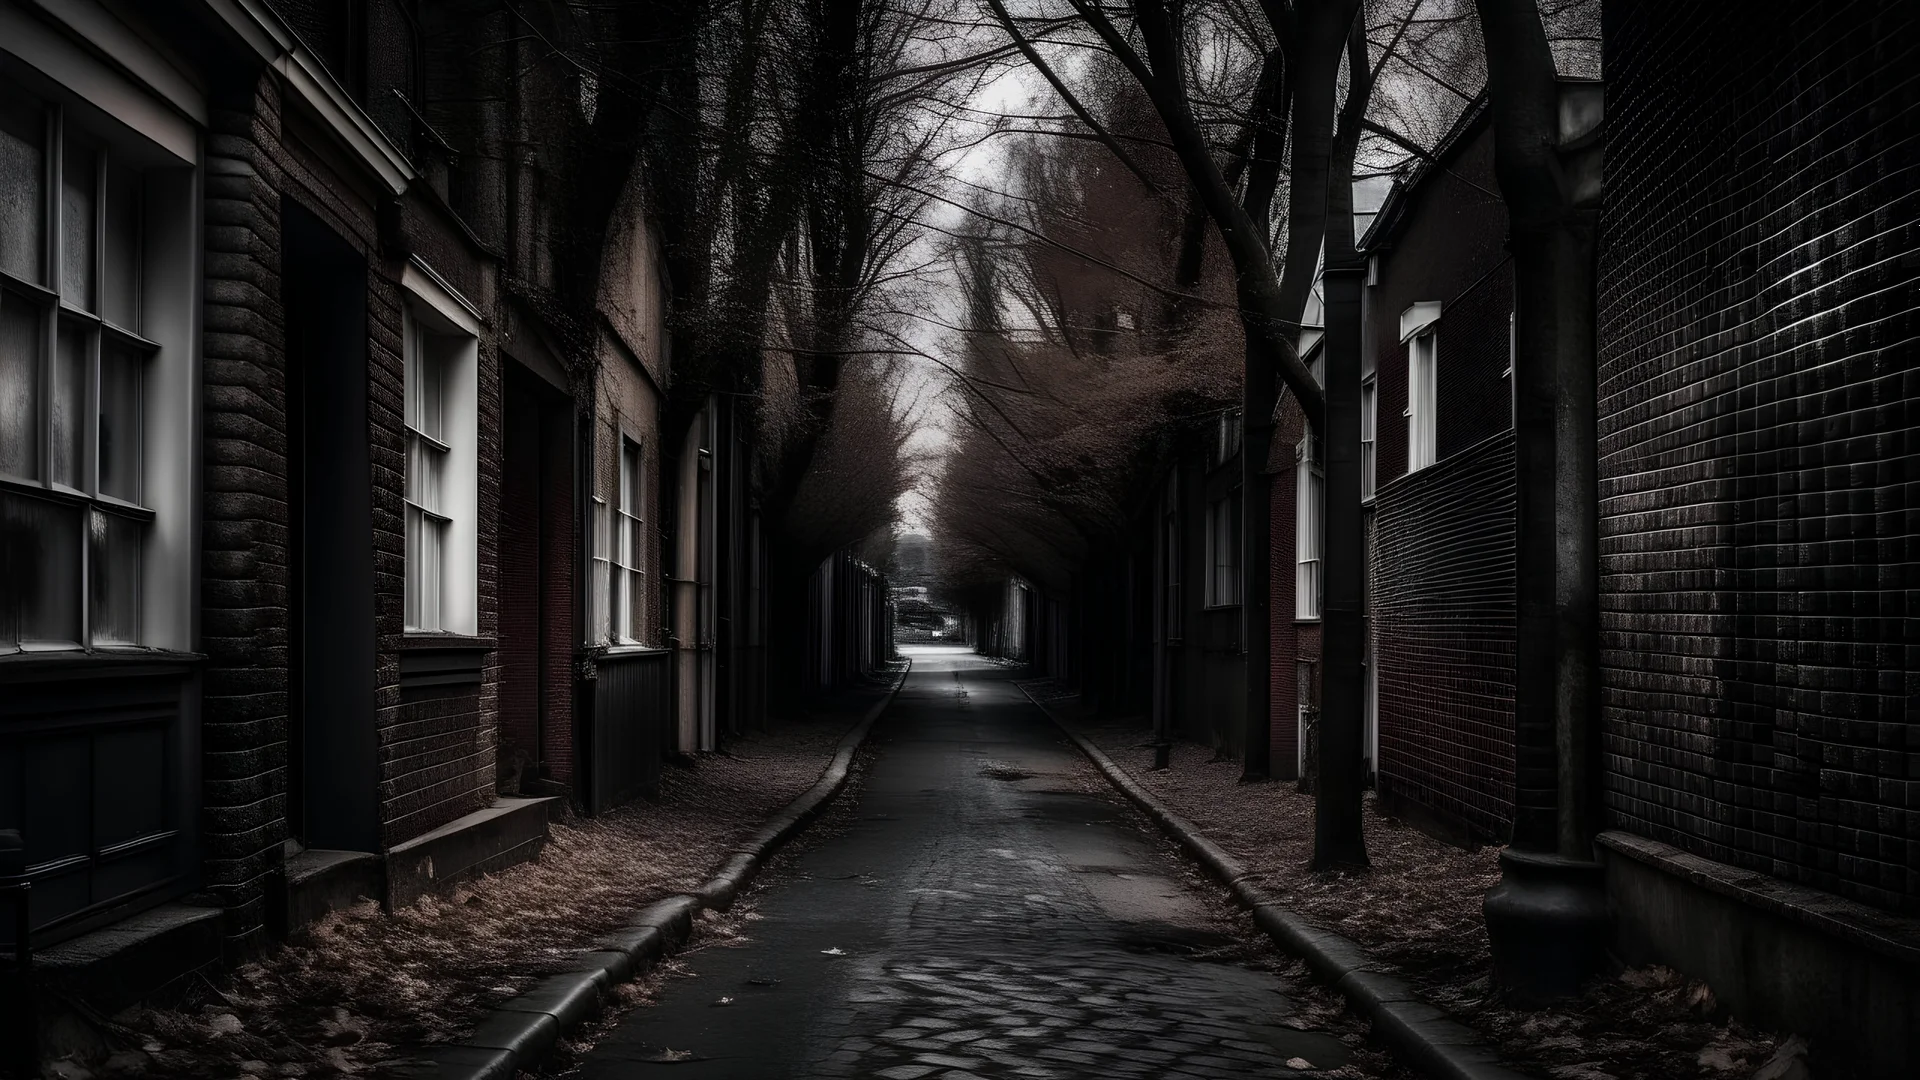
point(333, 771)
point(536, 586)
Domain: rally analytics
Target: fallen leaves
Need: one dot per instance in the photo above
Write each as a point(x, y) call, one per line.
point(1419, 907)
point(341, 995)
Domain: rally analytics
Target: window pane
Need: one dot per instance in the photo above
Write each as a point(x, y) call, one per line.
point(20, 346)
point(39, 571)
point(23, 185)
point(70, 405)
point(426, 389)
point(634, 605)
point(77, 231)
point(425, 464)
point(630, 478)
point(115, 566)
point(120, 370)
point(600, 589)
point(425, 538)
point(121, 274)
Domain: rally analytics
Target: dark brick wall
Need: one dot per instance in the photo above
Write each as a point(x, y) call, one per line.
point(1451, 247)
point(1760, 516)
point(1442, 607)
point(436, 755)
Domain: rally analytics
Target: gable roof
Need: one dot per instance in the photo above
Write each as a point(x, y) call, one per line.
point(1393, 213)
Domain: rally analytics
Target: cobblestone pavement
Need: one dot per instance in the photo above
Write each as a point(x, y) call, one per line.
point(985, 916)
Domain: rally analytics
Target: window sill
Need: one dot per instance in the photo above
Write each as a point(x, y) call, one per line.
point(124, 660)
point(428, 641)
point(1306, 620)
point(1220, 607)
point(631, 648)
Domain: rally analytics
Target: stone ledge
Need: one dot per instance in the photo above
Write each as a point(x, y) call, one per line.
point(508, 832)
point(320, 880)
point(118, 965)
point(1775, 953)
point(1889, 935)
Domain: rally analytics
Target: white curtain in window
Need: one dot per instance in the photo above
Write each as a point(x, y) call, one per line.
point(1307, 538)
point(1421, 427)
point(629, 604)
point(427, 464)
point(599, 613)
point(1369, 413)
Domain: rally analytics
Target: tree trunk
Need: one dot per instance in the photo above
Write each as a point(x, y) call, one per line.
point(1547, 920)
point(1339, 838)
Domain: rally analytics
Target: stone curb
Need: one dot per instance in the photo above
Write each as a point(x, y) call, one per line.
point(1422, 1035)
point(526, 1026)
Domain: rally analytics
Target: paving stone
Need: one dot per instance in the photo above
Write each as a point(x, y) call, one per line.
point(952, 970)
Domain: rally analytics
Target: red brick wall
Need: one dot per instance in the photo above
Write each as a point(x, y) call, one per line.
point(1760, 521)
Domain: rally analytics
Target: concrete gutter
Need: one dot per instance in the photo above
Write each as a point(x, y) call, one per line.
point(525, 1027)
point(1420, 1034)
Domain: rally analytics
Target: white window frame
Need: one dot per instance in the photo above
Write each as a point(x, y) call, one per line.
point(1423, 363)
point(1369, 437)
point(1309, 517)
point(144, 599)
point(626, 563)
point(441, 330)
point(600, 572)
point(1223, 552)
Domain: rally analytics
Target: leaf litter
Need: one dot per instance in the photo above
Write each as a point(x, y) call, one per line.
point(1419, 907)
point(348, 994)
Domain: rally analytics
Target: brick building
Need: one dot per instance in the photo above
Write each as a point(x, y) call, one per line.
point(350, 512)
point(1437, 431)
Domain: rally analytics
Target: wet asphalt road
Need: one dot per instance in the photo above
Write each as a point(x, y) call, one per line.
point(983, 917)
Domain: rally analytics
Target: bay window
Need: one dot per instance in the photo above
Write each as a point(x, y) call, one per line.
point(75, 512)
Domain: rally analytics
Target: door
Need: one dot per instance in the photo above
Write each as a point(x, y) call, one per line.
point(333, 766)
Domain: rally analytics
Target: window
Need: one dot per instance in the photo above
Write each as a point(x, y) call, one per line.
point(1223, 547)
point(600, 588)
point(1309, 495)
point(441, 357)
point(1228, 442)
point(628, 600)
point(427, 454)
point(74, 522)
point(1421, 428)
point(1369, 416)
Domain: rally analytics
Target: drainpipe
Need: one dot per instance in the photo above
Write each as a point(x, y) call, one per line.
point(686, 590)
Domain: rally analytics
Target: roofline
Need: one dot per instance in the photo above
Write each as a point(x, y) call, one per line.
point(1393, 210)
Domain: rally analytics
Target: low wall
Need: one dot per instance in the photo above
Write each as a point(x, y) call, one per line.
point(1776, 954)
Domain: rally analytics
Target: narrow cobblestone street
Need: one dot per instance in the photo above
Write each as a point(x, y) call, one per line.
point(983, 916)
